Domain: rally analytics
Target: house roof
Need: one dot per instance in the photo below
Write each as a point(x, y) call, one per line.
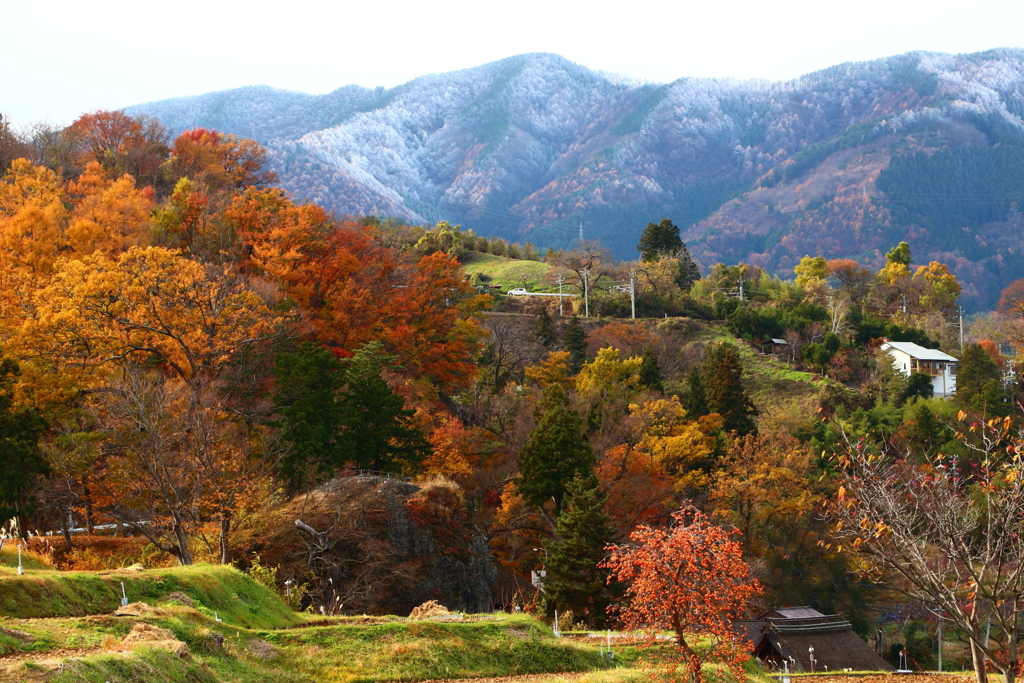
point(787, 633)
point(919, 352)
point(802, 612)
point(835, 645)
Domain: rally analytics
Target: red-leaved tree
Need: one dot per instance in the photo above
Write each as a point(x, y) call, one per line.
point(690, 579)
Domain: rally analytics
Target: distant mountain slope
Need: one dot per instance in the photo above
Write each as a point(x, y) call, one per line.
point(844, 162)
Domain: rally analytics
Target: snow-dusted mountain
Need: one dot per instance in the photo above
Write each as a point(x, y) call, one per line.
point(532, 146)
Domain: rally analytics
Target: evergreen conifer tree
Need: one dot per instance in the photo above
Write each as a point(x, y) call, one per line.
point(659, 240)
point(574, 581)
point(926, 431)
point(696, 398)
point(979, 385)
point(336, 411)
point(575, 342)
point(544, 332)
point(650, 372)
point(723, 381)
point(689, 271)
point(21, 459)
point(555, 451)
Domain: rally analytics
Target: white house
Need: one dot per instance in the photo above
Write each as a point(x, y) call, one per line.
point(911, 357)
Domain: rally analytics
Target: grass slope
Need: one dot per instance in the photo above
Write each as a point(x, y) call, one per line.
point(59, 627)
point(500, 646)
point(216, 588)
point(506, 272)
point(769, 379)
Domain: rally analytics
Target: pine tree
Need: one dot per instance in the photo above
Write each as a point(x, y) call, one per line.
point(689, 271)
point(544, 332)
point(650, 372)
point(554, 452)
point(696, 397)
point(575, 342)
point(979, 385)
point(723, 382)
point(335, 411)
point(659, 240)
point(21, 459)
point(574, 581)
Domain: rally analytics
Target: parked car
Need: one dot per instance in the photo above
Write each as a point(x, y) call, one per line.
point(518, 291)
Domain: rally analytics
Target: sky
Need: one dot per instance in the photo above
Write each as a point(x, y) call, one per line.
point(63, 58)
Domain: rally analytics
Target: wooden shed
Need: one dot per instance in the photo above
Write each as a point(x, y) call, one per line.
point(788, 635)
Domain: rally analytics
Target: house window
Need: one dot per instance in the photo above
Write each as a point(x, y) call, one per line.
point(952, 370)
point(913, 364)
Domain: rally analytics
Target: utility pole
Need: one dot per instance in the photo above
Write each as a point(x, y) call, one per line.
point(632, 293)
point(960, 310)
point(586, 293)
point(940, 642)
point(560, 281)
point(741, 288)
point(581, 232)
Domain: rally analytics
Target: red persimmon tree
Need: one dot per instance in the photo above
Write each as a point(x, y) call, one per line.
point(690, 579)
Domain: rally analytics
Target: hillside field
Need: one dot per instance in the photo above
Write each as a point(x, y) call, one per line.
point(508, 273)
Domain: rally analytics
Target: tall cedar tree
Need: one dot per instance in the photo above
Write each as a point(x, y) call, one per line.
point(21, 460)
point(689, 271)
point(650, 372)
point(979, 385)
point(696, 396)
point(544, 332)
point(383, 436)
point(574, 580)
point(338, 411)
point(314, 413)
point(723, 382)
point(575, 342)
point(659, 240)
point(555, 451)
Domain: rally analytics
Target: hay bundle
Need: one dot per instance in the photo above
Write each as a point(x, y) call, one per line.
point(431, 608)
point(146, 635)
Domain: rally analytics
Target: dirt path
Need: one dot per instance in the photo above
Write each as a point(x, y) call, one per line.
point(525, 678)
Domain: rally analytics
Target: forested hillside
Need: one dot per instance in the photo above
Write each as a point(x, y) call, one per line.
point(221, 373)
point(844, 162)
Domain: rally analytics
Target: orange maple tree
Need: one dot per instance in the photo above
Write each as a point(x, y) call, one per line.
point(690, 579)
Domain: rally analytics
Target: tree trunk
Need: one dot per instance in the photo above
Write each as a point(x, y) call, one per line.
point(225, 529)
point(978, 659)
point(184, 556)
point(88, 506)
point(65, 527)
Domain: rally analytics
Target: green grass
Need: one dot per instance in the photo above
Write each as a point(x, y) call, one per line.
point(504, 646)
point(48, 615)
point(506, 272)
point(394, 650)
point(235, 597)
point(770, 380)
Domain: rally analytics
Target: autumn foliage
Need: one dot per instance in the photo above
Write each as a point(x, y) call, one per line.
point(146, 289)
point(689, 579)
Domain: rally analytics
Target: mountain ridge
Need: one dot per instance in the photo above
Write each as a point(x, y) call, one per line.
point(531, 146)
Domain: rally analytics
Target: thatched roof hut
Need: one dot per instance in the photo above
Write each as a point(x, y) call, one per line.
point(788, 634)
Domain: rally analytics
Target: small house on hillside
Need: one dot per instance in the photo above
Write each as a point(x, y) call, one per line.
point(791, 636)
point(911, 357)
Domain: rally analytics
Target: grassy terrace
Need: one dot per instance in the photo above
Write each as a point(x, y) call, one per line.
point(60, 626)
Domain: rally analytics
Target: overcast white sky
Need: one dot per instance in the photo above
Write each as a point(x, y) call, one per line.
point(65, 57)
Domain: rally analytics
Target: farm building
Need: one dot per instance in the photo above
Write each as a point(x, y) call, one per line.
point(796, 634)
